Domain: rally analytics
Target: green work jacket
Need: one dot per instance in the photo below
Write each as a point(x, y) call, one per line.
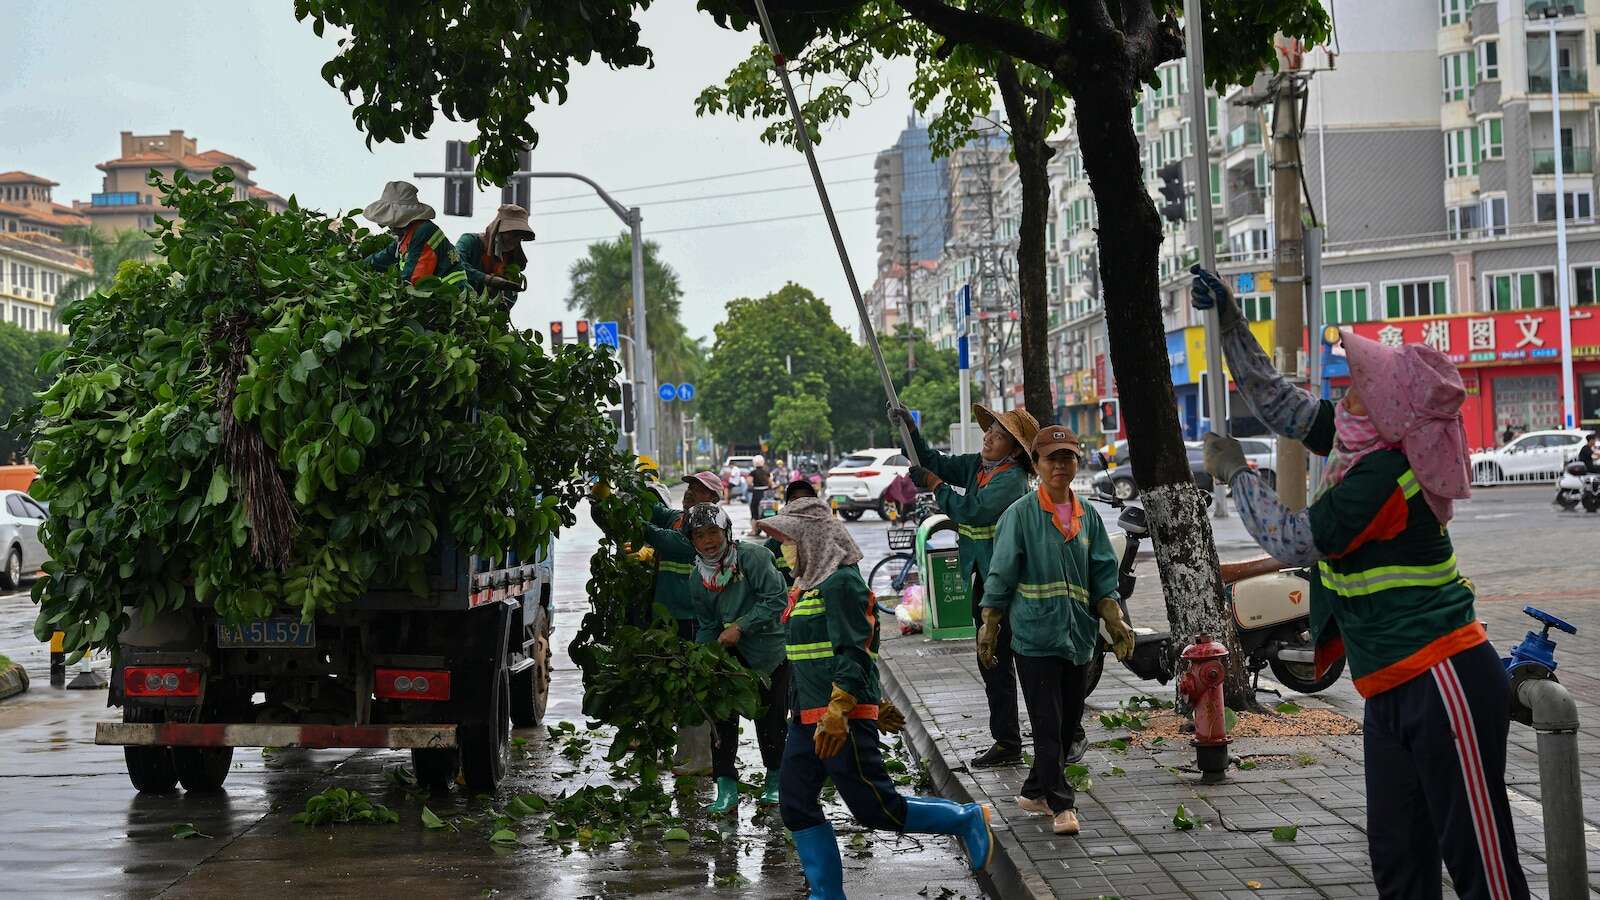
point(754, 600)
point(1048, 583)
point(421, 250)
point(674, 561)
point(976, 511)
point(831, 638)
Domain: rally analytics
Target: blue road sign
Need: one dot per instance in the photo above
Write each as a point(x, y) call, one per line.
point(686, 392)
point(667, 393)
point(605, 335)
point(704, 445)
point(916, 416)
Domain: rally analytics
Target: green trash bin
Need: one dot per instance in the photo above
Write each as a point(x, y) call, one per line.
point(947, 594)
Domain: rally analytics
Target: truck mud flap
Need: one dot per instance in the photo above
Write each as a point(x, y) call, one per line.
point(181, 734)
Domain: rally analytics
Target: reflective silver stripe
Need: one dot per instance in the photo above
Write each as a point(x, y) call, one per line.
point(1052, 589)
point(976, 532)
point(677, 568)
point(1371, 581)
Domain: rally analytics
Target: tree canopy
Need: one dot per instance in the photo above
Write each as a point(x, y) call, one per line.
point(20, 352)
point(602, 290)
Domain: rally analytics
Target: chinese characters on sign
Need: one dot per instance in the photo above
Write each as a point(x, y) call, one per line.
point(1391, 336)
point(1436, 334)
point(1523, 335)
point(1480, 334)
point(1530, 331)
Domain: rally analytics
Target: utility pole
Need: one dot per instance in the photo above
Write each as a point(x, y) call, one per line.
point(1289, 268)
point(1564, 290)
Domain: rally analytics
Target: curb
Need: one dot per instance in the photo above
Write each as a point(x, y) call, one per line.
point(13, 681)
point(1005, 877)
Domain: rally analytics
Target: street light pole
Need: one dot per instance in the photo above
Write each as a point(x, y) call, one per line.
point(644, 441)
point(1563, 289)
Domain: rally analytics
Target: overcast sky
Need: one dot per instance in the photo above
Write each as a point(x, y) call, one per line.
point(243, 77)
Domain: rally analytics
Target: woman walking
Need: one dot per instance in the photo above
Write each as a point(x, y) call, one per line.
point(831, 636)
point(1054, 570)
point(738, 597)
point(990, 480)
point(1388, 597)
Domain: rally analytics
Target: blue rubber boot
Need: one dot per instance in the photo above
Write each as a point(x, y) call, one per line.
point(969, 822)
point(727, 797)
point(819, 857)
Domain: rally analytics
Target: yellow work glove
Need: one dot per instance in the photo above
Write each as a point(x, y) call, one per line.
point(832, 727)
point(989, 636)
point(890, 718)
point(1121, 635)
point(645, 554)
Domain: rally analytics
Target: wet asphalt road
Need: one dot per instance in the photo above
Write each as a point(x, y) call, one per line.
point(71, 825)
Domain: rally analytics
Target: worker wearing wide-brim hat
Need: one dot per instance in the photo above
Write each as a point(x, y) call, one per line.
point(991, 480)
point(495, 259)
point(419, 248)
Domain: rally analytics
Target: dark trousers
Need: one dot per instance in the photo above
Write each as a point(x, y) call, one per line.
point(769, 724)
point(857, 772)
point(1053, 689)
point(999, 683)
point(756, 494)
point(1435, 751)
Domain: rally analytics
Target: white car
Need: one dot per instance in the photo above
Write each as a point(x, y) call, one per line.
point(1261, 453)
point(20, 518)
point(1535, 456)
point(857, 483)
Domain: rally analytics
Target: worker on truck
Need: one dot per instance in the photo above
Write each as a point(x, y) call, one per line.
point(419, 248)
point(497, 251)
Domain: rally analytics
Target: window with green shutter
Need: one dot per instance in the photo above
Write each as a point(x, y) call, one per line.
point(1342, 306)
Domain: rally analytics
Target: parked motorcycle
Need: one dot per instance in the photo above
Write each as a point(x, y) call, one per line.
point(1578, 485)
point(1271, 610)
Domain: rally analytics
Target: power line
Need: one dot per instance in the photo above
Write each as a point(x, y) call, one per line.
point(654, 203)
point(646, 187)
point(648, 234)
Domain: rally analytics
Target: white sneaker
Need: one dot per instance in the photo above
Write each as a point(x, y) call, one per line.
point(1031, 805)
point(1066, 822)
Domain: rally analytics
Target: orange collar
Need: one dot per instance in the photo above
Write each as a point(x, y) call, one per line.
point(405, 236)
point(1068, 530)
point(985, 475)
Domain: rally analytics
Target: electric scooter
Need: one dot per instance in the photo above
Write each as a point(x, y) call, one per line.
point(1578, 485)
point(1271, 610)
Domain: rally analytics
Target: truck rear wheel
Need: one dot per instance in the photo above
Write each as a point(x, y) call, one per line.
point(202, 769)
point(485, 738)
point(530, 688)
point(149, 768)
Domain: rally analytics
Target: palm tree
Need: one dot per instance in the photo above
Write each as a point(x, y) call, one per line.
point(106, 254)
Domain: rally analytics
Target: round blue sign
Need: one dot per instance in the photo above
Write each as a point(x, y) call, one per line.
point(686, 392)
point(667, 393)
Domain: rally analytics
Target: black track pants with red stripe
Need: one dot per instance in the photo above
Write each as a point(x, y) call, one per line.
point(1436, 762)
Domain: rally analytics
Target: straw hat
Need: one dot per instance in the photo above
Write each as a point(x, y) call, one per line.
point(397, 206)
point(1018, 423)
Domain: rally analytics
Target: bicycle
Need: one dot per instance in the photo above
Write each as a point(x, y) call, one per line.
point(898, 571)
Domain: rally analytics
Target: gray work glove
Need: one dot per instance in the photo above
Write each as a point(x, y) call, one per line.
point(1207, 290)
point(899, 415)
point(1224, 457)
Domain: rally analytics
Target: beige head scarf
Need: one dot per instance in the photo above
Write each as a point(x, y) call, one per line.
point(823, 543)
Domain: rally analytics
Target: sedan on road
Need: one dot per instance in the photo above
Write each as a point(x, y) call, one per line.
point(20, 518)
point(1119, 482)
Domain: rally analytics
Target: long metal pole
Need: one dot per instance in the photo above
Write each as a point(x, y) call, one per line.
point(1563, 293)
point(1208, 249)
point(1314, 326)
point(803, 137)
point(644, 360)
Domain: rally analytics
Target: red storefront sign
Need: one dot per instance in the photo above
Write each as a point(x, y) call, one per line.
point(1100, 375)
point(1486, 339)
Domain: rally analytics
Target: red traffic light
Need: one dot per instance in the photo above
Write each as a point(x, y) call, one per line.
point(583, 332)
point(557, 338)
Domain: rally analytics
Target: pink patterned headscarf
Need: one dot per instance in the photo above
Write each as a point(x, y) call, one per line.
point(1413, 396)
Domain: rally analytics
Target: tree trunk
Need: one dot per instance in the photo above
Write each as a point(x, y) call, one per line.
point(1033, 151)
point(1129, 242)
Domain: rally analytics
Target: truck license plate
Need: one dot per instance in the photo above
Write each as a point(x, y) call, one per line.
point(277, 632)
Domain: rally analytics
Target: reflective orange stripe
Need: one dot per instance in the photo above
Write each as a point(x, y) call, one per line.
point(1397, 673)
point(427, 261)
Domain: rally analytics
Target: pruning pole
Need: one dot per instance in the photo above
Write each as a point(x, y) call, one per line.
point(804, 138)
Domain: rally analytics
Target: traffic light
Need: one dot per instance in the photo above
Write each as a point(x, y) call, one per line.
point(1110, 416)
point(1174, 190)
point(520, 190)
point(583, 332)
point(458, 191)
point(557, 338)
point(627, 407)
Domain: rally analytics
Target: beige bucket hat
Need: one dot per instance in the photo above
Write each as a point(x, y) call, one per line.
point(397, 206)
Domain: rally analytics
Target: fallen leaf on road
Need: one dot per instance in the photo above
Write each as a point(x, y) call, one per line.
point(185, 830)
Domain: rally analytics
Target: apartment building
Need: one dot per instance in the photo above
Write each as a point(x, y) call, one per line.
point(126, 201)
point(912, 191)
point(34, 269)
point(26, 206)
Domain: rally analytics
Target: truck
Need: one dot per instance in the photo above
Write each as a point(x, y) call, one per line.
point(445, 674)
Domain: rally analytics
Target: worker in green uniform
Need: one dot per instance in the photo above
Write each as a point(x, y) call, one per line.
point(738, 598)
point(1386, 595)
point(495, 256)
point(990, 481)
point(418, 248)
point(1053, 573)
point(674, 564)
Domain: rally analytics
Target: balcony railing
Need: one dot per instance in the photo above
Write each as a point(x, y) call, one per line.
point(1538, 9)
point(1573, 160)
point(1243, 134)
point(1246, 203)
point(1570, 82)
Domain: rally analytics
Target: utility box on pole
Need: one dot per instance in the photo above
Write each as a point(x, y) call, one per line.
point(459, 190)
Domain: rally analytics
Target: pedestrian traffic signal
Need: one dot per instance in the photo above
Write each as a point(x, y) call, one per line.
point(1110, 416)
point(460, 190)
point(557, 338)
point(583, 332)
point(1174, 190)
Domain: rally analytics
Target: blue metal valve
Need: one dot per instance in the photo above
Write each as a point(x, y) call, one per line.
point(1536, 646)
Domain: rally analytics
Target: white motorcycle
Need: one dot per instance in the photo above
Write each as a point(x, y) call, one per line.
point(1578, 485)
point(1271, 610)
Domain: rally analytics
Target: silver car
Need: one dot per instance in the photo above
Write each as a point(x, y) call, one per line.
point(20, 518)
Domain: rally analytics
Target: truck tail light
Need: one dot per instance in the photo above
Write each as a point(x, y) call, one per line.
point(160, 681)
point(413, 684)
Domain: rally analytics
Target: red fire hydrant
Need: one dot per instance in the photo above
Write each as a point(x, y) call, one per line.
point(1201, 684)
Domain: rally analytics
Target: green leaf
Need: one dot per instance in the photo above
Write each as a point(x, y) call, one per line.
point(217, 492)
point(185, 830)
point(431, 820)
point(332, 340)
point(1286, 832)
point(503, 836)
point(676, 834)
point(349, 461)
point(1288, 707)
point(364, 430)
point(1230, 719)
point(1181, 819)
